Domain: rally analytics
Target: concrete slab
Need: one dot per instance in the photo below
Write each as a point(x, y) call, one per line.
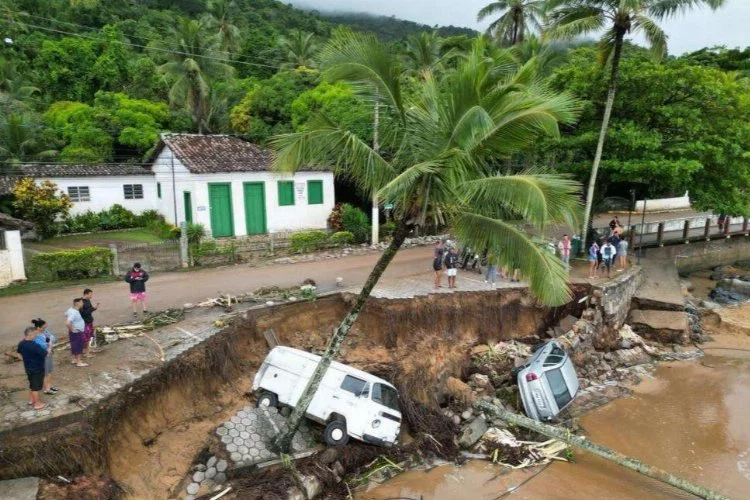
point(660, 289)
point(25, 488)
point(664, 326)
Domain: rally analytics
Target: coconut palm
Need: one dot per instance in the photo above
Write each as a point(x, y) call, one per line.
point(518, 18)
point(298, 49)
point(21, 141)
point(546, 56)
point(426, 52)
point(571, 18)
point(219, 20)
point(441, 164)
point(195, 63)
point(15, 90)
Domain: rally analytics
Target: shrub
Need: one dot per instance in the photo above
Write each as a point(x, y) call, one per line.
point(386, 230)
point(148, 216)
point(71, 264)
point(117, 217)
point(86, 222)
point(342, 238)
point(307, 241)
point(195, 233)
point(41, 204)
point(164, 230)
point(356, 222)
point(335, 220)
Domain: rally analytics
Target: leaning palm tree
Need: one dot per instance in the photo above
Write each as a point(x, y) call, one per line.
point(572, 18)
point(194, 65)
point(298, 49)
point(442, 165)
point(219, 20)
point(518, 18)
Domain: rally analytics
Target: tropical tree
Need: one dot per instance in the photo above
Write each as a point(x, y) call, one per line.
point(546, 56)
point(425, 52)
point(518, 18)
point(441, 164)
point(571, 18)
point(20, 140)
point(298, 49)
point(15, 90)
point(218, 19)
point(195, 63)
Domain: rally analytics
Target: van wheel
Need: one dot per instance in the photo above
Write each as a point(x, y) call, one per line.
point(335, 433)
point(266, 400)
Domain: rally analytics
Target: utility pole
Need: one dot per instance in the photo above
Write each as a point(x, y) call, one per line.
point(174, 188)
point(375, 234)
point(643, 226)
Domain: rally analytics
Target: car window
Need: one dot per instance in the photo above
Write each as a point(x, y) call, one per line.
point(386, 396)
point(553, 359)
point(557, 351)
point(559, 387)
point(353, 385)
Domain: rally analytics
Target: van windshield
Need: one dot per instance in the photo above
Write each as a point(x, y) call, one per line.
point(386, 396)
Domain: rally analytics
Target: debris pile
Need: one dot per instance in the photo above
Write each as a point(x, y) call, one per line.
point(503, 448)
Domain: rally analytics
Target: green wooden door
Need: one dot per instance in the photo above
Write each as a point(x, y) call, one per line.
point(188, 206)
point(255, 207)
point(220, 204)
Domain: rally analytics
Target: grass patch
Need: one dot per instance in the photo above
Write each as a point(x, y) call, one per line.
point(142, 235)
point(24, 288)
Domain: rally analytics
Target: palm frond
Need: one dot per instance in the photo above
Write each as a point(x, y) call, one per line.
point(662, 9)
point(515, 249)
point(655, 36)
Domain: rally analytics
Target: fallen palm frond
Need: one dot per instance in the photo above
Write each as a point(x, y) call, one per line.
point(503, 448)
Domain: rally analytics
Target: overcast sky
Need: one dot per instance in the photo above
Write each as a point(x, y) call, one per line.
point(728, 26)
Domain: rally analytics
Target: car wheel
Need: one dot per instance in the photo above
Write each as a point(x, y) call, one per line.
point(266, 400)
point(285, 411)
point(335, 433)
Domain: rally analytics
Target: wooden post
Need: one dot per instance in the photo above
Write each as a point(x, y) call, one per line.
point(565, 436)
point(660, 235)
point(744, 225)
point(686, 231)
point(727, 221)
point(631, 237)
point(707, 229)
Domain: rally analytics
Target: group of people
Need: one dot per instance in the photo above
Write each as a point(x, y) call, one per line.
point(449, 260)
point(36, 347)
point(612, 251)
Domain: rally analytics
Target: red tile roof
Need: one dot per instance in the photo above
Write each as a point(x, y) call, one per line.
point(208, 154)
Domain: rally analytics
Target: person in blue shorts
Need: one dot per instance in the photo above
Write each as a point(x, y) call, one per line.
point(593, 260)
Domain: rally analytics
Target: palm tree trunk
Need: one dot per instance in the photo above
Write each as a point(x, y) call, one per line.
point(566, 437)
point(602, 135)
point(283, 440)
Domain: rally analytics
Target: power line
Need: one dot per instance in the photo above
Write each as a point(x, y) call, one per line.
point(145, 47)
point(140, 37)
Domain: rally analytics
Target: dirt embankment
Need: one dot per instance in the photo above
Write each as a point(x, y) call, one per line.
point(147, 435)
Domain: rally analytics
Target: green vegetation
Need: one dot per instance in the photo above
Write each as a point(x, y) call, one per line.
point(91, 262)
point(40, 203)
point(307, 241)
point(342, 238)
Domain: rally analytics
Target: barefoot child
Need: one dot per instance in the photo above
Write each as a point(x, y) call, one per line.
point(137, 279)
point(33, 362)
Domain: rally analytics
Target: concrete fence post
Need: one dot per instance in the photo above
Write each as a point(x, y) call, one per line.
point(660, 235)
point(744, 225)
point(727, 222)
point(686, 231)
point(270, 234)
point(115, 259)
point(707, 229)
point(184, 261)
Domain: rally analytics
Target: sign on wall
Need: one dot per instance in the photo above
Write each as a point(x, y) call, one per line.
point(299, 188)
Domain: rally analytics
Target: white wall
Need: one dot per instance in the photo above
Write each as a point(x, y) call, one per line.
point(11, 260)
point(106, 191)
point(660, 204)
point(288, 218)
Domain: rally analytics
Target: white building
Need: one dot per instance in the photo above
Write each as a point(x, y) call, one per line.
point(219, 181)
point(11, 250)
point(225, 184)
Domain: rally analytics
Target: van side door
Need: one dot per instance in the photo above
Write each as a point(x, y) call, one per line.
point(350, 400)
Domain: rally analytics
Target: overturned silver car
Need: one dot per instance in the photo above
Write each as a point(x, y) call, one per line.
point(548, 382)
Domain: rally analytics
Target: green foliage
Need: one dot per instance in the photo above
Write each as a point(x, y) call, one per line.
point(342, 238)
point(355, 221)
point(195, 233)
point(388, 28)
point(210, 252)
point(41, 203)
point(386, 230)
point(337, 102)
point(116, 217)
point(164, 230)
point(307, 241)
point(267, 108)
point(71, 264)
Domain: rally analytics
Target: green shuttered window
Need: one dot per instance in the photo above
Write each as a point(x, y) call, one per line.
point(314, 192)
point(286, 193)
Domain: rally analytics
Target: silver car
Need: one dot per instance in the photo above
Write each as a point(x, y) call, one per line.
point(548, 382)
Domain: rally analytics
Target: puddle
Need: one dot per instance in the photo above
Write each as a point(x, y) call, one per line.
point(692, 419)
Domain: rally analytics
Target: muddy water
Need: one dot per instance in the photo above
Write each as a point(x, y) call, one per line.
point(692, 419)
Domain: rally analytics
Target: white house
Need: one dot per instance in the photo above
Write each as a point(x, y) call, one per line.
point(225, 184)
point(219, 181)
point(11, 251)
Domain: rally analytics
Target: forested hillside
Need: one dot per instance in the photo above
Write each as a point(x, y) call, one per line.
point(99, 80)
point(391, 28)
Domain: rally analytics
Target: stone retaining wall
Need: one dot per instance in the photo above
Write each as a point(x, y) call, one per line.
point(704, 255)
point(613, 301)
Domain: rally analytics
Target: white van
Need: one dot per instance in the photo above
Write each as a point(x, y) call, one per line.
point(349, 402)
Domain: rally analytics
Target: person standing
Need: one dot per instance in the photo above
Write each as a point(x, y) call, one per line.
point(437, 263)
point(613, 225)
point(137, 278)
point(451, 264)
point(87, 313)
point(47, 340)
point(608, 256)
point(76, 326)
point(622, 254)
point(33, 356)
point(593, 260)
point(564, 247)
point(491, 276)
